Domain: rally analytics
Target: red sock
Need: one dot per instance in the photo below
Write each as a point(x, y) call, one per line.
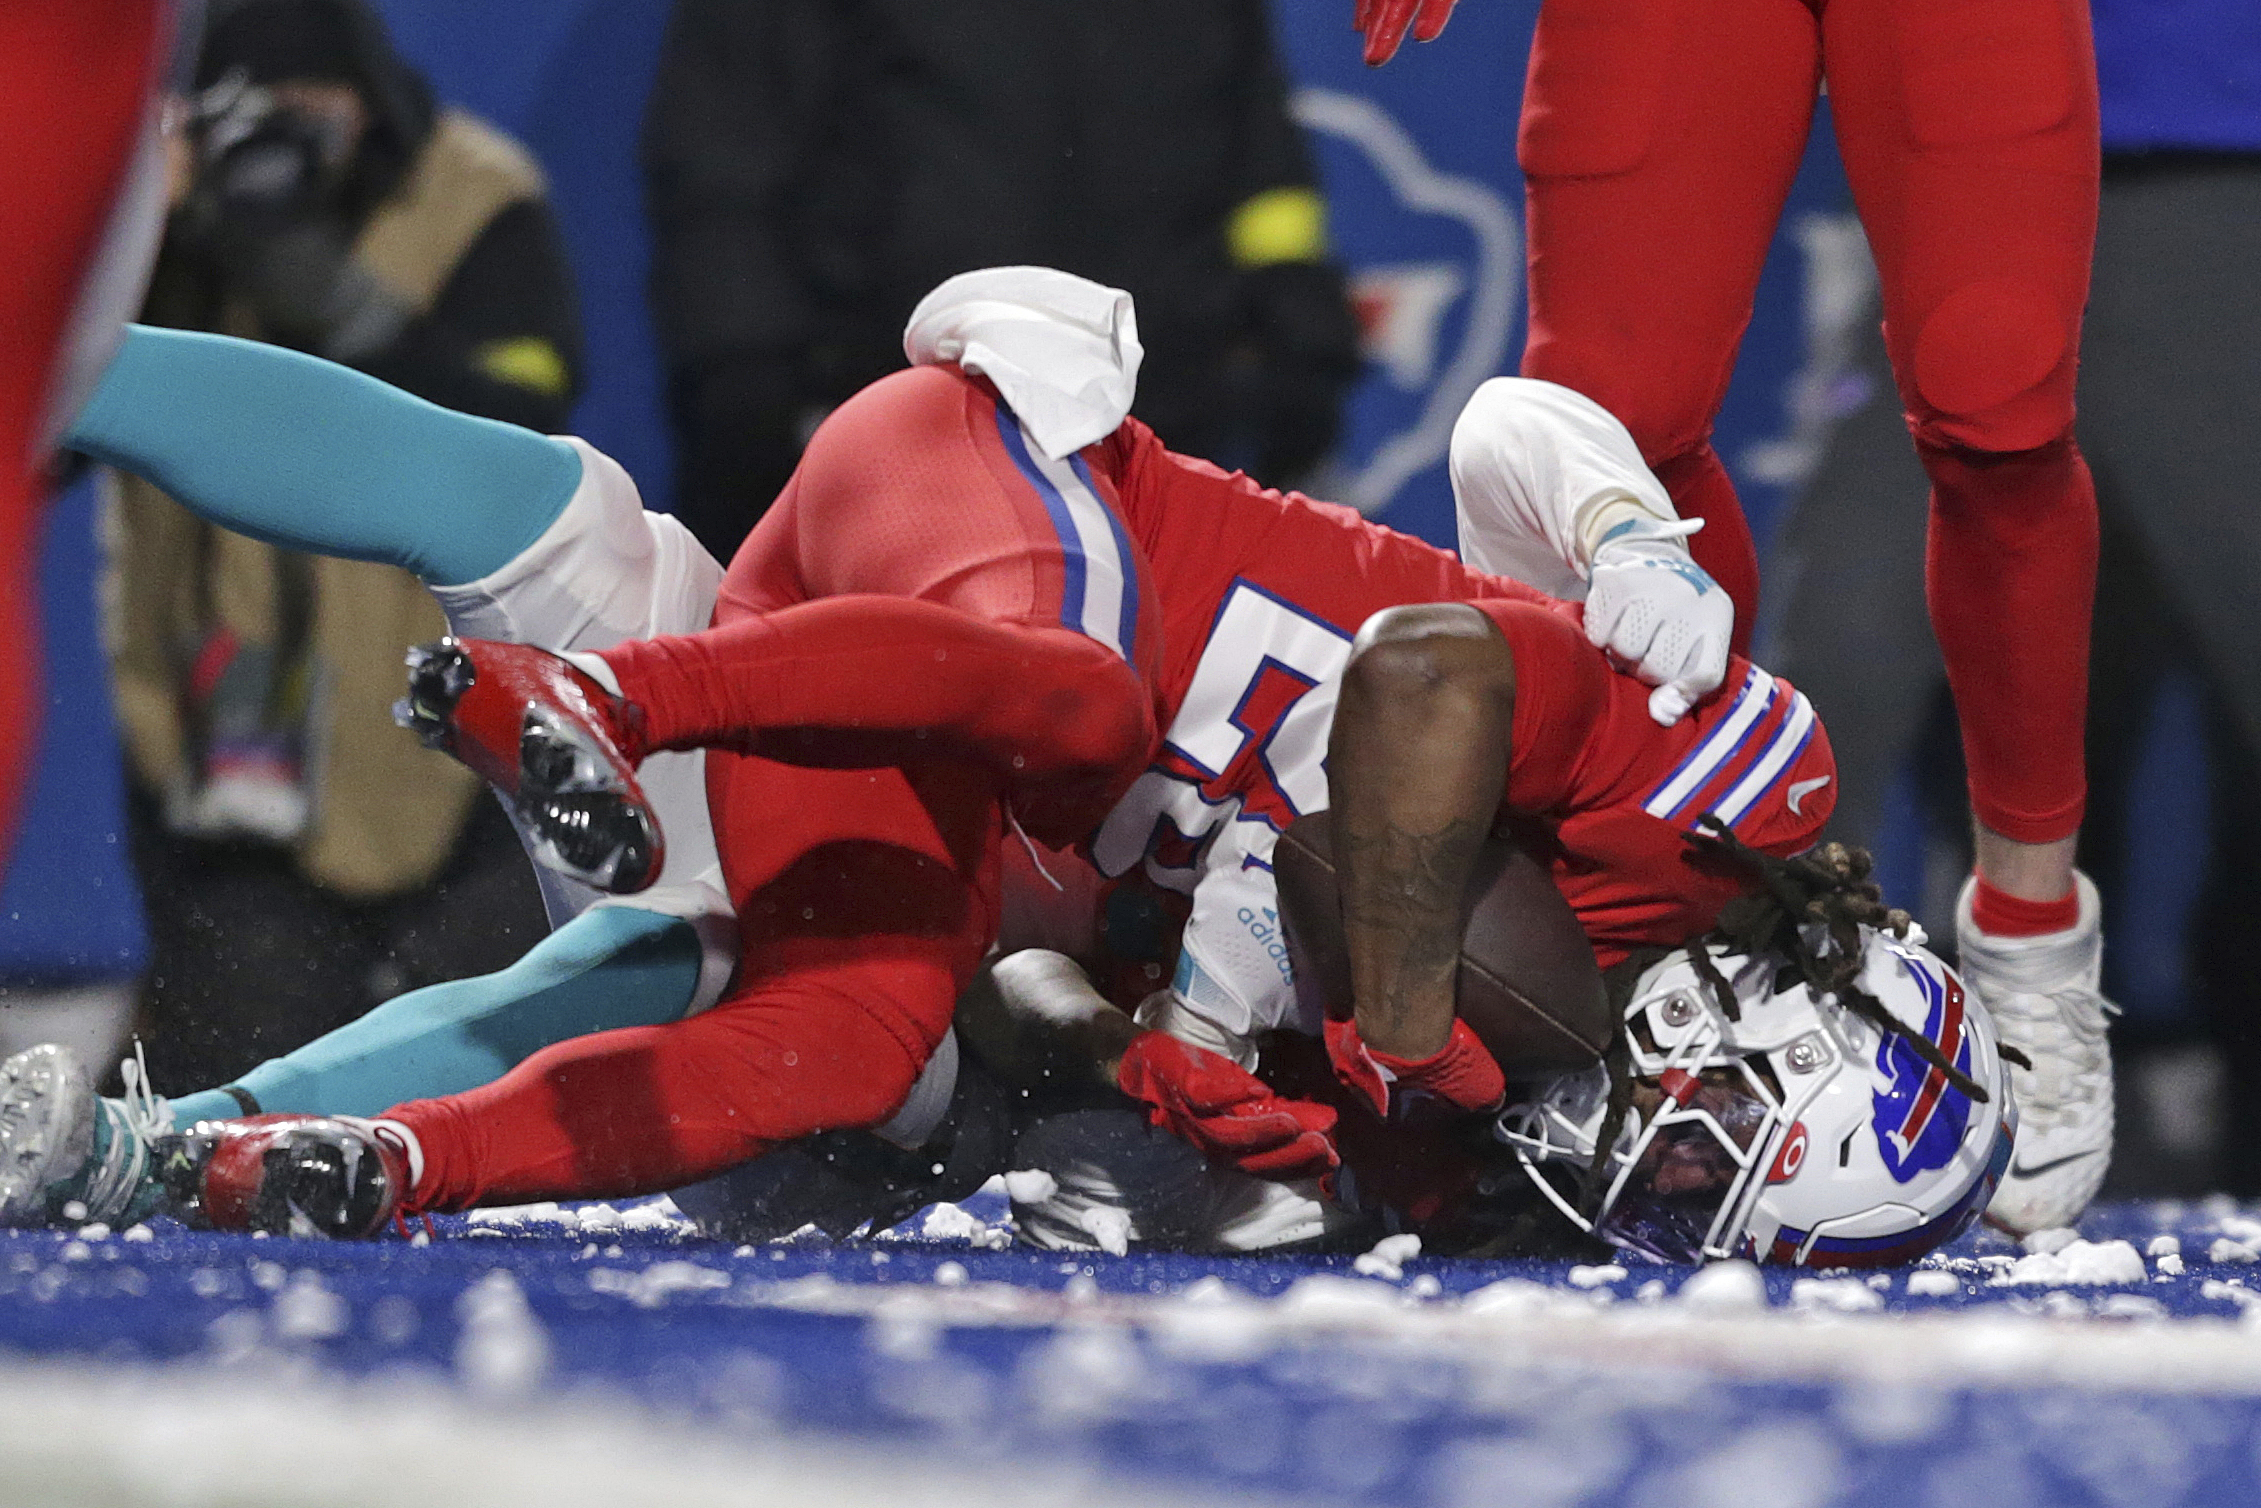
point(2001, 914)
point(2011, 578)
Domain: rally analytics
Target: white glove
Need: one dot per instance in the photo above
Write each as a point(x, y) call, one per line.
point(1659, 613)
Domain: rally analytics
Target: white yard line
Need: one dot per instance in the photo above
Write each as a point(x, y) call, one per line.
point(1519, 1324)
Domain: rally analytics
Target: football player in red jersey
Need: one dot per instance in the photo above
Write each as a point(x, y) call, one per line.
point(1658, 141)
point(77, 121)
point(1260, 596)
point(884, 673)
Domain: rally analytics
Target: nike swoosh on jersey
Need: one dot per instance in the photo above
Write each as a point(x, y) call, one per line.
point(2054, 1163)
point(1799, 790)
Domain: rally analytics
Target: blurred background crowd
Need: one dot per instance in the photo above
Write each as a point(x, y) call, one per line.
point(687, 230)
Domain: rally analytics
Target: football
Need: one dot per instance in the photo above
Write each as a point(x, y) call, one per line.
point(1528, 984)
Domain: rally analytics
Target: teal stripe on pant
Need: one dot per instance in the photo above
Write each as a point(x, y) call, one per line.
point(610, 967)
point(313, 456)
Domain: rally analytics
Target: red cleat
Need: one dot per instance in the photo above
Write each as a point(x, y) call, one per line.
point(559, 747)
point(339, 1177)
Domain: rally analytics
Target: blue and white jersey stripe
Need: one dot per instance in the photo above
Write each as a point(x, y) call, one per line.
point(1705, 763)
point(1767, 727)
point(1100, 596)
point(1774, 761)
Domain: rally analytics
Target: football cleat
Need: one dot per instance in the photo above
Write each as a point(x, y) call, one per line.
point(2047, 999)
point(559, 747)
point(339, 1177)
point(68, 1156)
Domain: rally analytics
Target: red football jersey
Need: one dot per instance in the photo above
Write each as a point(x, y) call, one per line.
point(1261, 594)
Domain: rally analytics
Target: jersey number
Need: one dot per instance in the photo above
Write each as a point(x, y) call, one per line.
point(1249, 740)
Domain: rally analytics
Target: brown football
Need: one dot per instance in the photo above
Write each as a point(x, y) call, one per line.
point(1528, 985)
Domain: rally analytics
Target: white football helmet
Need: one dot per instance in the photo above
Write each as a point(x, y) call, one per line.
point(1801, 1134)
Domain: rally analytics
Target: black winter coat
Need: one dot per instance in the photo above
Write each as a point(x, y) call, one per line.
point(816, 166)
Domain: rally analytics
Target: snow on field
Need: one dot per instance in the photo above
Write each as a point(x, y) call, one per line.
point(609, 1355)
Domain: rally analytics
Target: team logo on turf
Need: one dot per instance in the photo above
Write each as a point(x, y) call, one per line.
point(1919, 1117)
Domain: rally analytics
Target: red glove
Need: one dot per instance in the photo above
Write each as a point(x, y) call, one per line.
point(1226, 1111)
point(1384, 23)
point(1461, 1074)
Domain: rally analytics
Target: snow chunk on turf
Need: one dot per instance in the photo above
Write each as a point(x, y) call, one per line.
point(1725, 1287)
point(950, 1222)
point(503, 1351)
point(305, 1310)
point(1834, 1296)
point(1514, 1297)
point(1324, 1297)
point(1030, 1186)
point(1108, 1226)
point(2164, 1246)
point(658, 1215)
point(1933, 1284)
point(2226, 1250)
point(2082, 1264)
point(2130, 1306)
point(1388, 1258)
point(658, 1283)
point(1595, 1277)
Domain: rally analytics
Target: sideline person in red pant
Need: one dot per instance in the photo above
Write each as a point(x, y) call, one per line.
point(75, 105)
point(1658, 141)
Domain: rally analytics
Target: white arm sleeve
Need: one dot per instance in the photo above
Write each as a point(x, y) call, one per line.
point(1533, 464)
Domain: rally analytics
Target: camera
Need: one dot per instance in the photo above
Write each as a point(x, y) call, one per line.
point(256, 157)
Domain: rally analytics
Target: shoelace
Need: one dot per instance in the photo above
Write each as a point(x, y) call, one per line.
point(2075, 1051)
point(137, 1118)
point(1013, 818)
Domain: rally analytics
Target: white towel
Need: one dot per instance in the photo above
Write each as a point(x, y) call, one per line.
point(1063, 350)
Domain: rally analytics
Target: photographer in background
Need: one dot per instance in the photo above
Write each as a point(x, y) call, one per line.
point(322, 201)
point(814, 166)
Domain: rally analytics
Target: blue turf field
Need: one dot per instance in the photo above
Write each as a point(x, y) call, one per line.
point(1455, 1383)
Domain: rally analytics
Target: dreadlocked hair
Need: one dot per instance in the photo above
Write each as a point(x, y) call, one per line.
point(1827, 890)
point(1807, 911)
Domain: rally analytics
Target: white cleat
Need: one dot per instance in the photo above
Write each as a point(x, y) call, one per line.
point(2046, 996)
point(47, 1129)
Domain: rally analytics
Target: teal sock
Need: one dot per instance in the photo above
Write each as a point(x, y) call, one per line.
point(609, 967)
point(313, 456)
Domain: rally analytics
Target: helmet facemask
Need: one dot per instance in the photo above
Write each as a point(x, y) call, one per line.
point(1691, 1134)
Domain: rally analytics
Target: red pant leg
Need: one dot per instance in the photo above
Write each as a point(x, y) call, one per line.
point(920, 524)
point(883, 678)
point(928, 573)
point(866, 899)
point(1970, 135)
point(1659, 139)
point(74, 86)
point(636, 1111)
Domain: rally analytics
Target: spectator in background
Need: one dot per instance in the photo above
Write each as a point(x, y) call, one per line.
point(322, 202)
point(2170, 420)
point(814, 166)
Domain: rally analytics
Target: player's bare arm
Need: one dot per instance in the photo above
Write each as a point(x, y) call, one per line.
point(1415, 766)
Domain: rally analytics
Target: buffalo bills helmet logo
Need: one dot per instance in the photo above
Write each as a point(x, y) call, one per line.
point(1918, 1116)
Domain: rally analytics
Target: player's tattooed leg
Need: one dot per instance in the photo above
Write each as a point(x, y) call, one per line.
point(559, 747)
